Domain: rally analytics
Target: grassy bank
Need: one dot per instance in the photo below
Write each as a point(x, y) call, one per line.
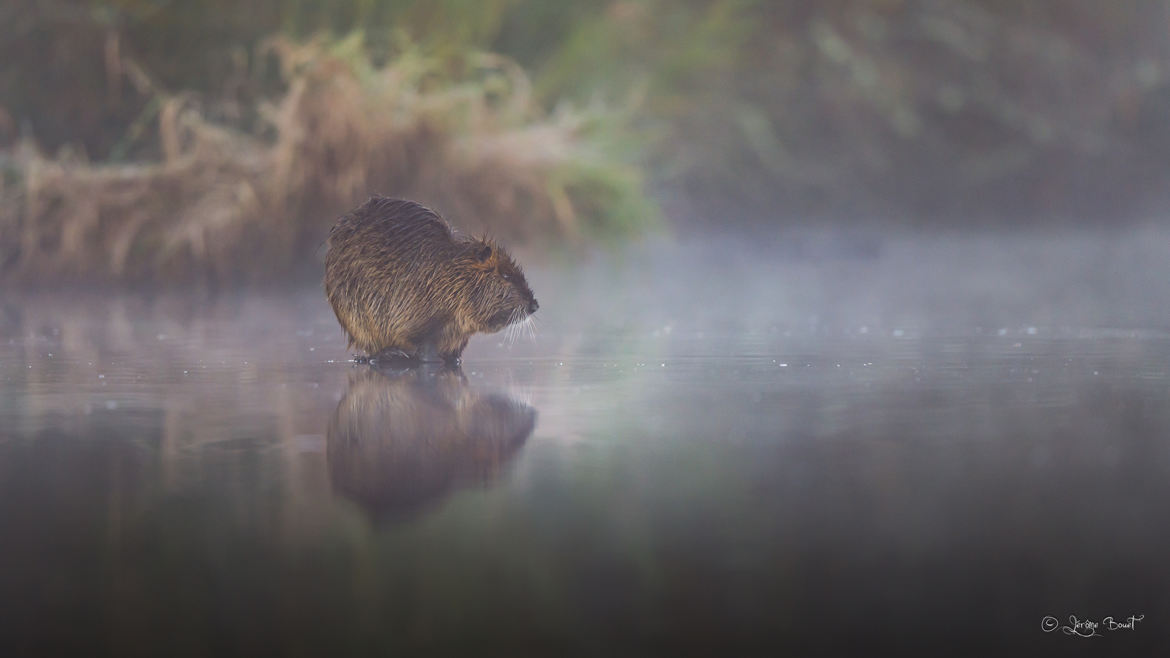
point(180, 142)
point(221, 201)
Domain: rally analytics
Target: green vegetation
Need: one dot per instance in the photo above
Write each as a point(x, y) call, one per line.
point(549, 120)
point(224, 203)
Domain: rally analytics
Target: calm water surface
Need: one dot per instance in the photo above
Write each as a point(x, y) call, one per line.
point(830, 454)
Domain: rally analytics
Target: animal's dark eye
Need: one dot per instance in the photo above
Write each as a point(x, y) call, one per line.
point(507, 277)
point(484, 253)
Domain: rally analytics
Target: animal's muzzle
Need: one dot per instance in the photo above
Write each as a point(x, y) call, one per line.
point(532, 306)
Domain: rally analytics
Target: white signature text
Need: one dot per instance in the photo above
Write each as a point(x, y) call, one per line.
point(1088, 627)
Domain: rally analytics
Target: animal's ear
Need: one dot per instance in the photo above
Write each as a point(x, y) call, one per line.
point(483, 253)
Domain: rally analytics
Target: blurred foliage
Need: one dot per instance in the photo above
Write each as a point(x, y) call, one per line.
point(913, 110)
point(221, 201)
point(910, 110)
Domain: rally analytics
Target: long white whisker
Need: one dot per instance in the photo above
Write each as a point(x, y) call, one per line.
point(530, 328)
point(511, 333)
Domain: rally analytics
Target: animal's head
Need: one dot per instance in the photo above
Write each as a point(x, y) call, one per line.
point(498, 292)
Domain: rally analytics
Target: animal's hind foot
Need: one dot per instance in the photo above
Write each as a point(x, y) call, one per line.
point(391, 356)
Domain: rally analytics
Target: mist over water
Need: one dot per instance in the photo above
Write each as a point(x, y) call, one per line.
point(824, 442)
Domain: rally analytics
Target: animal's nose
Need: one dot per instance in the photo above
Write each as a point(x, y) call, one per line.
point(533, 305)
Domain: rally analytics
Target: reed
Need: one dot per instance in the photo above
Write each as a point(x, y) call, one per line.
point(224, 206)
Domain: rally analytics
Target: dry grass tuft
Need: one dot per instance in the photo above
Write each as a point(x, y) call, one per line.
point(223, 207)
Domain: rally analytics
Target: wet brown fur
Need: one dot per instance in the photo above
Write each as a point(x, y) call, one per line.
point(401, 282)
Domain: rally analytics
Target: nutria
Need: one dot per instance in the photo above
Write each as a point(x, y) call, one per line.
point(403, 285)
point(402, 441)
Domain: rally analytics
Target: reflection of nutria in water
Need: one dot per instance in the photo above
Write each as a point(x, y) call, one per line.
point(402, 284)
point(400, 442)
